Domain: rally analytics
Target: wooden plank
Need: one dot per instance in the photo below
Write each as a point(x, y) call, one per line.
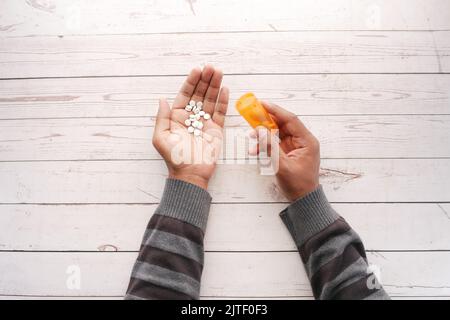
point(303, 94)
point(125, 138)
point(225, 274)
point(26, 18)
point(241, 53)
point(231, 227)
point(351, 180)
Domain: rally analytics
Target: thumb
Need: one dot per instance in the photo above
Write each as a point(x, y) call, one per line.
point(162, 117)
point(269, 141)
point(271, 156)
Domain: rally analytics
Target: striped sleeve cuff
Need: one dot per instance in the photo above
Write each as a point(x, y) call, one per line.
point(186, 202)
point(308, 215)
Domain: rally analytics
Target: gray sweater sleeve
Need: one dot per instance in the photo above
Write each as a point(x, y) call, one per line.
point(170, 261)
point(332, 253)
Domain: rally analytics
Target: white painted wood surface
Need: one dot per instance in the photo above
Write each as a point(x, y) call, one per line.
point(79, 83)
point(129, 138)
point(345, 180)
point(424, 226)
point(62, 17)
point(256, 274)
point(237, 53)
point(342, 94)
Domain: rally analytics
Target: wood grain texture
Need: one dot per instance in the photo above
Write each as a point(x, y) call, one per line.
point(237, 53)
point(302, 94)
point(36, 17)
point(231, 227)
point(444, 59)
point(125, 138)
point(356, 180)
point(225, 274)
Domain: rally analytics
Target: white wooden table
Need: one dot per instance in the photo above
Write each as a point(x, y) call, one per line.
point(79, 178)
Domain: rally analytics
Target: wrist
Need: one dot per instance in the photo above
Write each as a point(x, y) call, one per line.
point(186, 202)
point(304, 192)
point(191, 178)
point(308, 215)
point(293, 194)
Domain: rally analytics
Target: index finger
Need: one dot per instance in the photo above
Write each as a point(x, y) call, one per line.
point(187, 89)
point(287, 120)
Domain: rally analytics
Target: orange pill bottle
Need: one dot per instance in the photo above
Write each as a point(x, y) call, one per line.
point(253, 111)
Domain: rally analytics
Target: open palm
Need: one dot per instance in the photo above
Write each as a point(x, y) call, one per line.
point(189, 157)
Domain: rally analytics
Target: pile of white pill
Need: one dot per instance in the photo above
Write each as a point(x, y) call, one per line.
point(194, 123)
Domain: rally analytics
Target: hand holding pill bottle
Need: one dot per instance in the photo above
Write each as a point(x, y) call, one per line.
point(299, 150)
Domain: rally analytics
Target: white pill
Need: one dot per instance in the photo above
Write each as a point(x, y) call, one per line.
point(192, 103)
point(200, 125)
point(197, 117)
point(195, 110)
point(201, 113)
point(206, 116)
point(192, 117)
point(194, 123)
point(199, 104)
point(187, 122)
point(188, 108)
point(197, 132)
point(191, 129)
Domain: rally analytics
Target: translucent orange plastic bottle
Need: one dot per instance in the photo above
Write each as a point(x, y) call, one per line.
point(253, 111)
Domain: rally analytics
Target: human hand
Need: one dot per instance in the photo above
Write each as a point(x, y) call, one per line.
point(188, 157)
point(299, 153)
